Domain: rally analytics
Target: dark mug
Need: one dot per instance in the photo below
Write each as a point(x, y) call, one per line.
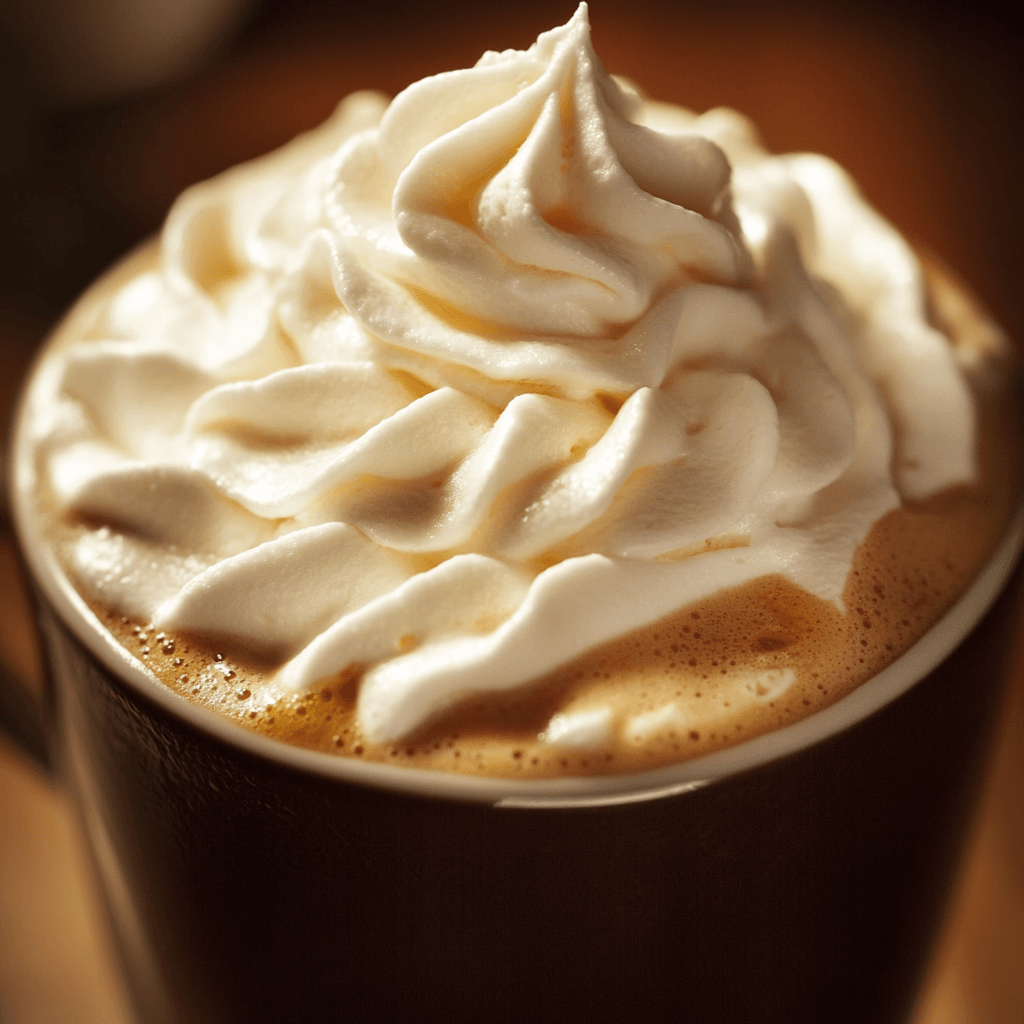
point(799, 876)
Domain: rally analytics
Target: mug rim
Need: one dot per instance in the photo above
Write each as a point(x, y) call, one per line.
point(898, 677)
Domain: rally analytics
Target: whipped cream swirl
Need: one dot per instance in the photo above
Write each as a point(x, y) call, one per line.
point(457, 387)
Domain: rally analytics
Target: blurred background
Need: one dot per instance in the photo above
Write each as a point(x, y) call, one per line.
point(109, 108)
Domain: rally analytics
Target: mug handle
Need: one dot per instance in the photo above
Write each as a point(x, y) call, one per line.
point(24, 709)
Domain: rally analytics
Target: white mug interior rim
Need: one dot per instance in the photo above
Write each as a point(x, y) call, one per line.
point(929, 651)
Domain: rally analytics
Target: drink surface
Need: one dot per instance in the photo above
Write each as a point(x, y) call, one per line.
point(467, 441)
point(730, 667)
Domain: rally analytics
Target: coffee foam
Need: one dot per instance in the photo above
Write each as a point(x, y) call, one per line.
point(734, 666)
point(740, 664)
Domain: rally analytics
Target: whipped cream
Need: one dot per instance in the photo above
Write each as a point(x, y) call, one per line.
point(459, 386)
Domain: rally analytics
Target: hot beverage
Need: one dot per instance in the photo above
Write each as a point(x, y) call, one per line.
point(649, 489)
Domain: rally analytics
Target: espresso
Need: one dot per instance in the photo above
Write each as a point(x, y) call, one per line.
point(731, 667)
point(745, 662)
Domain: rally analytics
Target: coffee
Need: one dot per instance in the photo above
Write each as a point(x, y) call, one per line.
point(737, 665)
point(425, 442)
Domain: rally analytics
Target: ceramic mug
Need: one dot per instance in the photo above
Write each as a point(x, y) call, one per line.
point(799, 876)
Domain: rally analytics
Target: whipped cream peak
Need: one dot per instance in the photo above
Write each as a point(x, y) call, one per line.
point(525, 197)
point(458, 387)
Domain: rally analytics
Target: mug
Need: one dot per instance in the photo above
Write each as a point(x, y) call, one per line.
point(799, 876)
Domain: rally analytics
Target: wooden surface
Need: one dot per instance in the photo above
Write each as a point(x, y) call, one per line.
point(921, 116)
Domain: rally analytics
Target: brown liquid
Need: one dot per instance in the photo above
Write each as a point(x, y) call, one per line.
point(717, 660)
point(738, 664)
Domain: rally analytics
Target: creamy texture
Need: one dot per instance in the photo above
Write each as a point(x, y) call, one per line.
point(458, 387)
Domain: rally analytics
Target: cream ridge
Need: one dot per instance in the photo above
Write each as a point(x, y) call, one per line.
point(458, 387)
